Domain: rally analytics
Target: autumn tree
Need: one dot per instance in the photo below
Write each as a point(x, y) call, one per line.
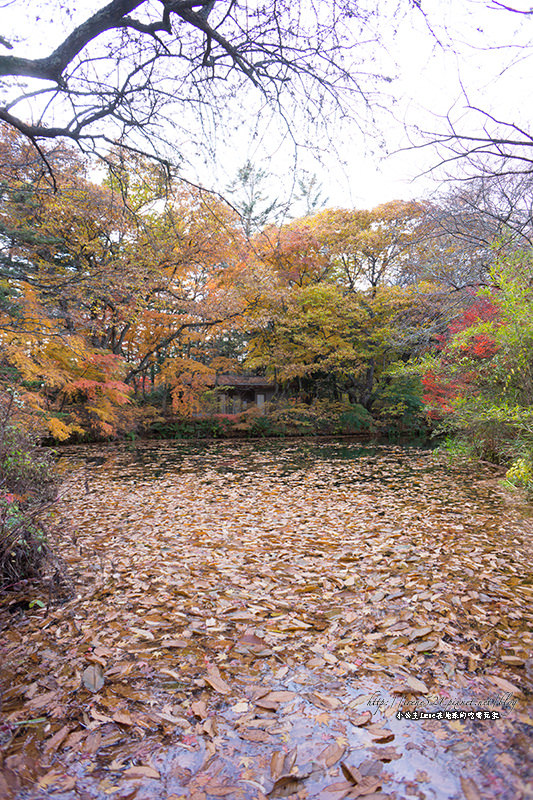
point(479, 383)
point(106, 291)
point(333, 317)
point(326, 343)
point(368, 248)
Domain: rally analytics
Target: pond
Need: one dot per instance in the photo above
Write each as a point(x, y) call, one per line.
point(310, 619)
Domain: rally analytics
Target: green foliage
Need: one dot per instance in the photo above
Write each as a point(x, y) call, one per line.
point(355, 419)
point(483, 380)
point(289, 418)
point(520, 474)
point(399, 407)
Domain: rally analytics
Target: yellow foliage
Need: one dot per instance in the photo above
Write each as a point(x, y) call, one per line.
point(58, 430)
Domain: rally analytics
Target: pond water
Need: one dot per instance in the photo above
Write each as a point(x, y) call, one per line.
point(311, 619)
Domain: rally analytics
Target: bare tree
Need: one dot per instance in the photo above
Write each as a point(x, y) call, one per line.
point(478, 137)
point(498, 148)
point(464, 232)
point(155, 73)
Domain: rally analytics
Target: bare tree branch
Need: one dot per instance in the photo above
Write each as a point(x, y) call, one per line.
point(133, 61)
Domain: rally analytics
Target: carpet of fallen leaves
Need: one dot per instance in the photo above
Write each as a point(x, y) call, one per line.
point(263, 620)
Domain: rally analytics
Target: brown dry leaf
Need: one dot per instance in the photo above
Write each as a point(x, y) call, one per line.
point(360, 719)
point(386, 754)
point(54, 742)
point(380, 734)
point(174, 643)
point(504, 684)
point(417, 685)
point(514, 661)
point(367, 786)
point(290, 760)
point(141, 772)
point(332, 753)
point(277, 763)
point(209, 727)
point(255, 736)
point(351, 773)
point(277, 697)
point(93, 677)
point(124, 718)
point(95, 714)
point(268, 705)
point(108, 787)
point(285, 786)
point(199, 709)
point(42, 700)
point(171, 674)
point(49, 779)
point(75, 738)
point(102, 651)
point(430, 644)
point(339, 789)
point(471, 792)
point(377, 796)
point(418, 633)
point(214, 679)
point(324, 700)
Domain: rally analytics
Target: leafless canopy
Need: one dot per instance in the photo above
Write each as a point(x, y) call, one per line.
point(135, 67)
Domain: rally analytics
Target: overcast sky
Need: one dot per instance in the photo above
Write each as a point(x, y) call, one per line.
point(458, 51)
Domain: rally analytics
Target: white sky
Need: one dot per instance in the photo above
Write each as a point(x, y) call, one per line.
point(478, 56)
point(480, 49)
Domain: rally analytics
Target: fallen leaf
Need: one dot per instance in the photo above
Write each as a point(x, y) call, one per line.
point(199, 709)
point(285, 786)
point(416, 685)
point(360, 719)
point(470, 789)
point(174, 643)
point(351, 773)
point(54, 742)
point(93, 677)
point(380, 734)
point(277, 697)
point(277, 762)
point(418, 633)
point(124, 718)
point(386, 754)
point(255, 736)
point(214, 679)
point(504, 684)
point(324, 700)
point(141, 772)
point(332, 753)
point(422, 647)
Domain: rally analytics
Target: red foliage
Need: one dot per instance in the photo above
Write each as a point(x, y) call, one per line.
point(438, 394)
point(481, 310)
point(481, 346)
point(440, 390)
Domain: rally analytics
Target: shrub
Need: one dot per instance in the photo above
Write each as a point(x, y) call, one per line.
point(27, 490)
point(520, 474)
point(355, 420)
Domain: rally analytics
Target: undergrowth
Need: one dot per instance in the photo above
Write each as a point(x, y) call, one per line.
point(28, 489)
